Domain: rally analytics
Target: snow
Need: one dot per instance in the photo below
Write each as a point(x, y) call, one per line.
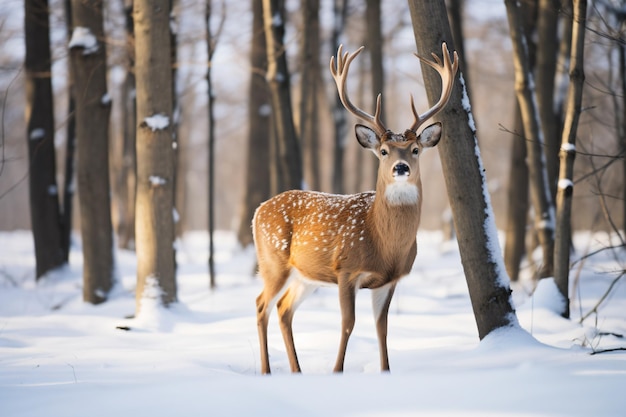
point(62, 357)
point(37, 133)
point(565, 183)
point(156, 181)
point(157, 122)
point(82, 37)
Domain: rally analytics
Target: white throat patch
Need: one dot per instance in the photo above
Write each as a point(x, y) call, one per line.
point(401, 193)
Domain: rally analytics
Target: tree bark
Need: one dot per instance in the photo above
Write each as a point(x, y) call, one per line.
point(515, 243)
point(156, 274)
point(539, 187)
point(45, 212)
point(374, 38)
point(568, 153)
point(288, 158)
point(310, 92)
point(258, 143)
point(547, 51)
point(93, 107)
point(70, 148)
point(482, 262)
point(339, 112)
point(127, 179)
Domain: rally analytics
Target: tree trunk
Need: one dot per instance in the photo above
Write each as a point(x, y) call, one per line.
point(310, 92)
point(45, 212)
point(374, 39)
point(465, 182)
point(517, 216)
point(259, 112)
point(70, 147)
point(539, 188)
point(128, 173)
point(93, 107)
point(547, 51)
point(515, 244)
point(156, 274)
point(339, 112)
point(288, 159)
point(568, 154)
point(211, 41)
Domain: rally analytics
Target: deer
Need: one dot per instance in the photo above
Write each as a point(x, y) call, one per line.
point(308, 239)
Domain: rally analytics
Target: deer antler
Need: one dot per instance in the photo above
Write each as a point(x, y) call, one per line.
point(340, 74)
point(447, 71)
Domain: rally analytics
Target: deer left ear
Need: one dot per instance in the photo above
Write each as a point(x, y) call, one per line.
point(430, 136)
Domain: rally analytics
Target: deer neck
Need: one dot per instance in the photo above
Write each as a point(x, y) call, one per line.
point(395, 216)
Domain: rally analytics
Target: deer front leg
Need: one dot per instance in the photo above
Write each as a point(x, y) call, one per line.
point(347, 295)
point(381, 299)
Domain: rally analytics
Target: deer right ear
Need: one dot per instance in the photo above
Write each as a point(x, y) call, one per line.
point(366, 137)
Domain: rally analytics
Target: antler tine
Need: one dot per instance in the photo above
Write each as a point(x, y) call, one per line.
point(340, 75)
point(447, 70)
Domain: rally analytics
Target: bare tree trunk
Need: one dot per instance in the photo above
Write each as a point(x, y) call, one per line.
point(310, 92)
point(622, 67)
point(539, 188)
point(259, 112)
point(547, 51)
point(93, 108)
point(45, 212)
point(482, 262)
point(514, 247)
point(211, 41)
point(127, 181)
point(568, 154)
point(374, 39)
point(339, 112)
point(516, 231)
point(288, 148)
point(70, 148)
point(156, 273)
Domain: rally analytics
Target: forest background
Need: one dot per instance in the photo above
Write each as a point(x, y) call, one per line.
point(488, 61)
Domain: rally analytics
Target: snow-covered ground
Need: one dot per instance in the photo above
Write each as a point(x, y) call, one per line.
point(62, 357)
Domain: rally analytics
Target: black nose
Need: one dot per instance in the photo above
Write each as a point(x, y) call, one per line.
point(401, 169)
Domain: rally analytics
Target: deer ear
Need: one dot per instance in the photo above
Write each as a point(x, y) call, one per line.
point(430, 135)
point(366, 137)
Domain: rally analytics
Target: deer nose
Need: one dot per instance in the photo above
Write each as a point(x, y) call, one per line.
point(401, 169)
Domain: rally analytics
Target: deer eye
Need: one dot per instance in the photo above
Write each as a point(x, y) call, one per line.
point(384, 152)
point(416, 151)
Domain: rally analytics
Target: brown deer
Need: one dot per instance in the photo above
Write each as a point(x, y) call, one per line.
point(306, 239)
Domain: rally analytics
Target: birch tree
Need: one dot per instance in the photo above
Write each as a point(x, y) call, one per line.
point(156, 274)
point(466, 184)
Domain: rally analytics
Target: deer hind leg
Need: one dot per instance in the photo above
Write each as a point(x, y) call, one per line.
point(296, 293)
point(381, 299)
point(347, 295)
point(264, 304)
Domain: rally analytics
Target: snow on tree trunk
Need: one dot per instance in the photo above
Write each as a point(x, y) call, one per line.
point(565, 188)
point(482, 261)
point(93, 108)
point(155, 154)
